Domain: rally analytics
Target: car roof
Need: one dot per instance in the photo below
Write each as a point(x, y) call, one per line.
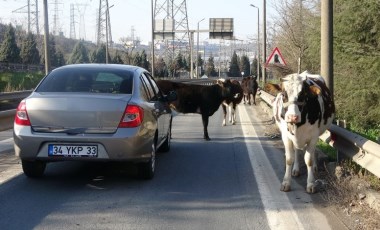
point(94, 66)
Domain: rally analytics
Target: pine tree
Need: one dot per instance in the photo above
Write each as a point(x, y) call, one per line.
point(144, 60)
point(245, 66)
point(29, 53)
point(117, 58)
point(56, 57)
point(79, 54)
point(210, 67)
point(9, 51)
point(160, 68)
point(234, 70)
point(100, 54)
point(137, 61)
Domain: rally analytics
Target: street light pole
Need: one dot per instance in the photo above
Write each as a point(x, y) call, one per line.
point(196, 71)
point(258, 42)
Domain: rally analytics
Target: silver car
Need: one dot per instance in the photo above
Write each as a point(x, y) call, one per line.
point(93, 112)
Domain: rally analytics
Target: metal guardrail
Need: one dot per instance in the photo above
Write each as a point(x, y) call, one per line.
point(364, 152)
point(8, 103)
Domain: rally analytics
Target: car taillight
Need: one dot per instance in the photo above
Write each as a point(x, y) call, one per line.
point(21, 117)
point(133, 116)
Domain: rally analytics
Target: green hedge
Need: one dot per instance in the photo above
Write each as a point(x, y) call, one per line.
point(19, 81)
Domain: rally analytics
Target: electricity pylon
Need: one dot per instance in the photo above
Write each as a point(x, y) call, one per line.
point(104, 34)
point(32, 15)
point(173, 15)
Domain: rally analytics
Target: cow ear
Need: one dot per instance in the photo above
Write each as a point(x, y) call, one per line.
point(272, 88)
point(314, 90)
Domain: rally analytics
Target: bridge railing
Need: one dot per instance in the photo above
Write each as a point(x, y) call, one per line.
point(364, 152)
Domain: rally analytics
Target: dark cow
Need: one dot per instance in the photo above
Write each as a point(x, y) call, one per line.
point(303, 110)
point(250, 88)
point(201, 99)
point(231, 102)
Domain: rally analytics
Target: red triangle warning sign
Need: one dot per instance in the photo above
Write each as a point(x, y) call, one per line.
point(276, 58)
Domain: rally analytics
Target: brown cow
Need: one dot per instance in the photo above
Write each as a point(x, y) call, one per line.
point(202, 99)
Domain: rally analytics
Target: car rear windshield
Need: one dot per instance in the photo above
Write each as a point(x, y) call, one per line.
point(88, 80)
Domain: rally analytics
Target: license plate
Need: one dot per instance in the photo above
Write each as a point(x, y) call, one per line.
point(73, 150)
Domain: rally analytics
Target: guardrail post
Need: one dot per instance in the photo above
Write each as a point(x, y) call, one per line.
point(339, 155)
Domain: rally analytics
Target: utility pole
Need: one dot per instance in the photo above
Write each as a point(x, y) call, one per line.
point(258, 42)
point(327, 64)
point(46, 38)
point(152, 11)
point(264, 40)
point(196, 71)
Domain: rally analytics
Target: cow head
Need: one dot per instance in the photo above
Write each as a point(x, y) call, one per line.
point(293, 94)
point(227, 88)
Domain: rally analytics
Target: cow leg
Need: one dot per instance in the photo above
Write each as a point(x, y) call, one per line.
point(296, 165)
point(254, 99)
point(233, 113)
point(205, 124)
point(249, 99)
point(289, 160)
point(311, 164)
point(224, 114)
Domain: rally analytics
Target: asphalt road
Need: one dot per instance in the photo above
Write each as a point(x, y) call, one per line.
point(230, 182)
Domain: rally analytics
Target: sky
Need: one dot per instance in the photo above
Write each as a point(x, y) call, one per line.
point(128, 14)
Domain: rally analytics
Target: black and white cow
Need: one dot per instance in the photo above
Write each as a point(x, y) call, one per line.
point(231, 102)
point(193, 98)
point(303, 110)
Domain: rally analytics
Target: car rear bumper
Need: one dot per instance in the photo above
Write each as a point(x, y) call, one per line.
point(123, 145)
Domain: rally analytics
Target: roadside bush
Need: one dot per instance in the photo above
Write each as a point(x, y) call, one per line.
point(19, 81)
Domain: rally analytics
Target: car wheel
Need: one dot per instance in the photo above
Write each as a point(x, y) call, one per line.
point(165, 147)
point(33, 168)
point(146, 169)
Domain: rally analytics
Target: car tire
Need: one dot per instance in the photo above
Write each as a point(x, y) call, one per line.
point(147, 169)
point(165, 147)
point(33, 169)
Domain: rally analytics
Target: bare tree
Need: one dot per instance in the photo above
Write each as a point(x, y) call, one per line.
point(292, 24)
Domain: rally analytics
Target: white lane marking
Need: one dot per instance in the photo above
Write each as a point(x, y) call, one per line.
point(6, 144)
point(280, 213)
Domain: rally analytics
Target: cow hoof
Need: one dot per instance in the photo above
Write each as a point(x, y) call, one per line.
point(295, 173)
point(311, 188)
point(285, 187)
point(207, 138)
